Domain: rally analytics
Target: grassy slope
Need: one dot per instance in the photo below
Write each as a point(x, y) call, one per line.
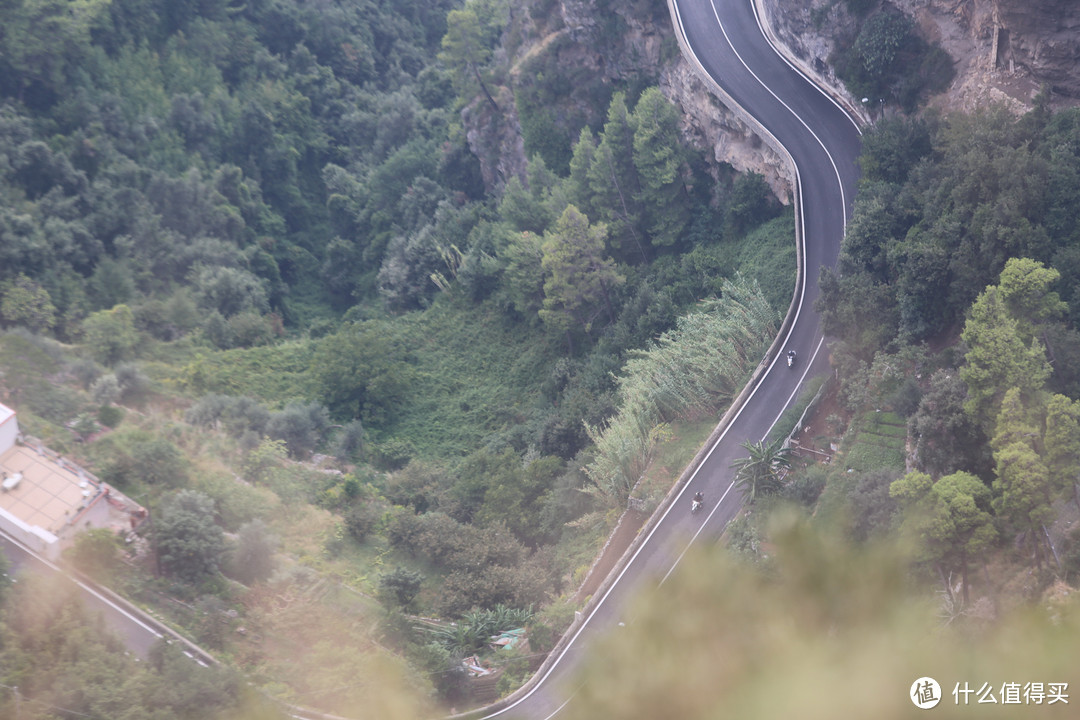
point(768, 254)
point(477, 375)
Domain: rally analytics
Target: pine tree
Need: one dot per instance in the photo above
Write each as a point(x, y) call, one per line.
point(613, 178)
point(578, 191)
point(1025, 289)
point(1023, 480)
point(961, 526)
point(658, 160)
point(579, 276)
point(466, 48)
point(1061, 444)
point(522, 283)
point(950, 520)
point(998, 358)
point(26, 303)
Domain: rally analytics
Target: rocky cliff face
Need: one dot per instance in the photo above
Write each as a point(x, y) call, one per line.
point(495, 138)
point(1011, 47)
point(809, 29)
point(1043, 38)
point(578, 36)
point(1004, 50)
point(708, 123)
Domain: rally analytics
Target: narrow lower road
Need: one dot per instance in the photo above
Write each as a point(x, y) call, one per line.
point(728, 43)
point(137, 635)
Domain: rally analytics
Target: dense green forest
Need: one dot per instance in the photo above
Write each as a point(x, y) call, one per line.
point(938, 537)
point(263, 268)
point(270, 269)
point(223, 177)
point(956, 412)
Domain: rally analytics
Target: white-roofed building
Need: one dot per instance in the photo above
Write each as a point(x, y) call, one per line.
point(46, 500)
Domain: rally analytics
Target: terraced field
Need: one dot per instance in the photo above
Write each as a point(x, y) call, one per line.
point(877, 442)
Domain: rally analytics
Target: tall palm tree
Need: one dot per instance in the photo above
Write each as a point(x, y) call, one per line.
point(760, 474)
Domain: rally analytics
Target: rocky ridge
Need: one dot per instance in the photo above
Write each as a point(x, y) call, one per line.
point(645, 45)
point(1004, 50)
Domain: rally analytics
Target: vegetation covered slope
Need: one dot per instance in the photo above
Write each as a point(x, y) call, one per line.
point(262, 270)
point(955, 302)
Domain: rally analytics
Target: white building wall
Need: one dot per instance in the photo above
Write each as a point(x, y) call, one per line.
point(9, 428)
point(37, 539)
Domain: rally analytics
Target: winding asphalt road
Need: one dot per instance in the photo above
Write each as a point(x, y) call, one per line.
point(823, 142)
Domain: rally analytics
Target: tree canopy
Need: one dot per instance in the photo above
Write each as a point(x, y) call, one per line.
point(189, 541)
point(580, 279)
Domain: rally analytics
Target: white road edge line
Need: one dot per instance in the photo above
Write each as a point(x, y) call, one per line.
point(786, 405)
point(81, 584)
point(796, 68)
point(802, 295)
point(798, 386)
point(641, 547)
point(832, 161)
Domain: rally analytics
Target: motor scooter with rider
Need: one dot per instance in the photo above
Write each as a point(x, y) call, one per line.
point(790, 358)
point(698, 502)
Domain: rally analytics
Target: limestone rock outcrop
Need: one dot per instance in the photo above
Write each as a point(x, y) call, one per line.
point(578, 35)
point(1005, 50)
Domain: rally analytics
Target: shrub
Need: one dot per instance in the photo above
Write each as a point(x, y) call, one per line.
point(132, 381)
point(85, 370)
point(160, 462)
point(189, 542)
point(105, 390)
point(237, 415)
point(110, 415)
point(252, 559)
point(111, 334)
point(96, 552)
point(872, 507)
point(548, 625)
point(393, 454)
point(361, 520)
point(806, 487)
point(250, 329)
point(301, 426)
point(401, 586)
point(349, 442)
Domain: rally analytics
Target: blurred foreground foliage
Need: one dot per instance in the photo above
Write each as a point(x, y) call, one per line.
point(821, 630)
point(66, 663)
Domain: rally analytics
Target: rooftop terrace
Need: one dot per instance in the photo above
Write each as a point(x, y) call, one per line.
point(41, 490)
point(45, 499)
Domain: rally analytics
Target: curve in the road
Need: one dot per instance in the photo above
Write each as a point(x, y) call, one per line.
point(727, 44)
point(724, 40)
